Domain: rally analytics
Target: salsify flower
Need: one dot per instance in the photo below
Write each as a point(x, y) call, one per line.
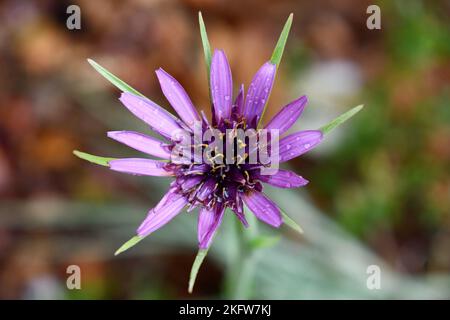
point(212, 184)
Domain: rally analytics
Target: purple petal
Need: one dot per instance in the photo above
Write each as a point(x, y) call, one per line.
point(191, 182)
point(156, 117)
point(263, 208)
point(221, 85)
point(142, 143)
point(258, 92)
point(239, 101)
point(206, 189)
point(239, 211)
point(287, 116)
point(169, 206)
point(298, 143)
point(281, 179)
point(139, 166)
point(238, 106)
point(198, 169)
point(178, 98)
point(208, 222)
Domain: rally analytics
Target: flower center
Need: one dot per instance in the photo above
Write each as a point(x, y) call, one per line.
point(225, 170)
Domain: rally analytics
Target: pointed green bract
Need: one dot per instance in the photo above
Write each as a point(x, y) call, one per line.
point(127, 245)
point(195, 267)
point(279, 48)
point(125, 87)
point(205, 42)
point(340, 120)
point(102, 161)
point(278, 54)
point(291, 223)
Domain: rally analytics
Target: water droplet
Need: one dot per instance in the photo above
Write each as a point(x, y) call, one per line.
point(227, 97)
point(307, 145)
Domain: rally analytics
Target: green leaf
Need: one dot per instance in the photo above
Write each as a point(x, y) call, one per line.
point(127, 245)
point(260, 242)
point(341, 119)
point(103, 161)
point(291, 223)
point(113, 79)
point(205, 42)
point(278, 53)
point(279, 48)
point(195, 267)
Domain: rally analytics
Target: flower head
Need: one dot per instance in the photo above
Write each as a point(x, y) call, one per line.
point(212, 170)
point(219, 163)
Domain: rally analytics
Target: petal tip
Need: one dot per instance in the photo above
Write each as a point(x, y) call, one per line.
point(113, 134)
point(160, 71)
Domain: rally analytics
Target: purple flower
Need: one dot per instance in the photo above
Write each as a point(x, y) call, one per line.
point(219, 163)
point(213, 184)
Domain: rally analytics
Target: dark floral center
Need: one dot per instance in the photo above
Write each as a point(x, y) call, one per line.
point(219, 179)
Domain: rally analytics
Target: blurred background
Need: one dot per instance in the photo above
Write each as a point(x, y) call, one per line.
point(380, 184)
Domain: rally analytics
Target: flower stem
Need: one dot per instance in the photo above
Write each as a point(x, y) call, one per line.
point(239, 278)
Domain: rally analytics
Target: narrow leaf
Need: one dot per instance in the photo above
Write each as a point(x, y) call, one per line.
point(127, 245)
point(103, 161)
point(113, 79)
point(205, 42)
point(279, 48)
point(341, 119)
point(195, 267)
point(278, 53)
point(291, 223)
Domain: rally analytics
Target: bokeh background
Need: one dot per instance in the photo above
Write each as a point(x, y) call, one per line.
point(380, 184)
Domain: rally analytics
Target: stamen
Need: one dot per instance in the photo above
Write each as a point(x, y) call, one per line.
point(241, 144)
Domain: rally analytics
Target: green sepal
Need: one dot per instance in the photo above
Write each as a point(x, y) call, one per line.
point(340, 120)
point(122, 85)
point(201, 254)
point(102, 161)
point(205, 43)
point(281, 43)
point(127, 245)
point(291, 223)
